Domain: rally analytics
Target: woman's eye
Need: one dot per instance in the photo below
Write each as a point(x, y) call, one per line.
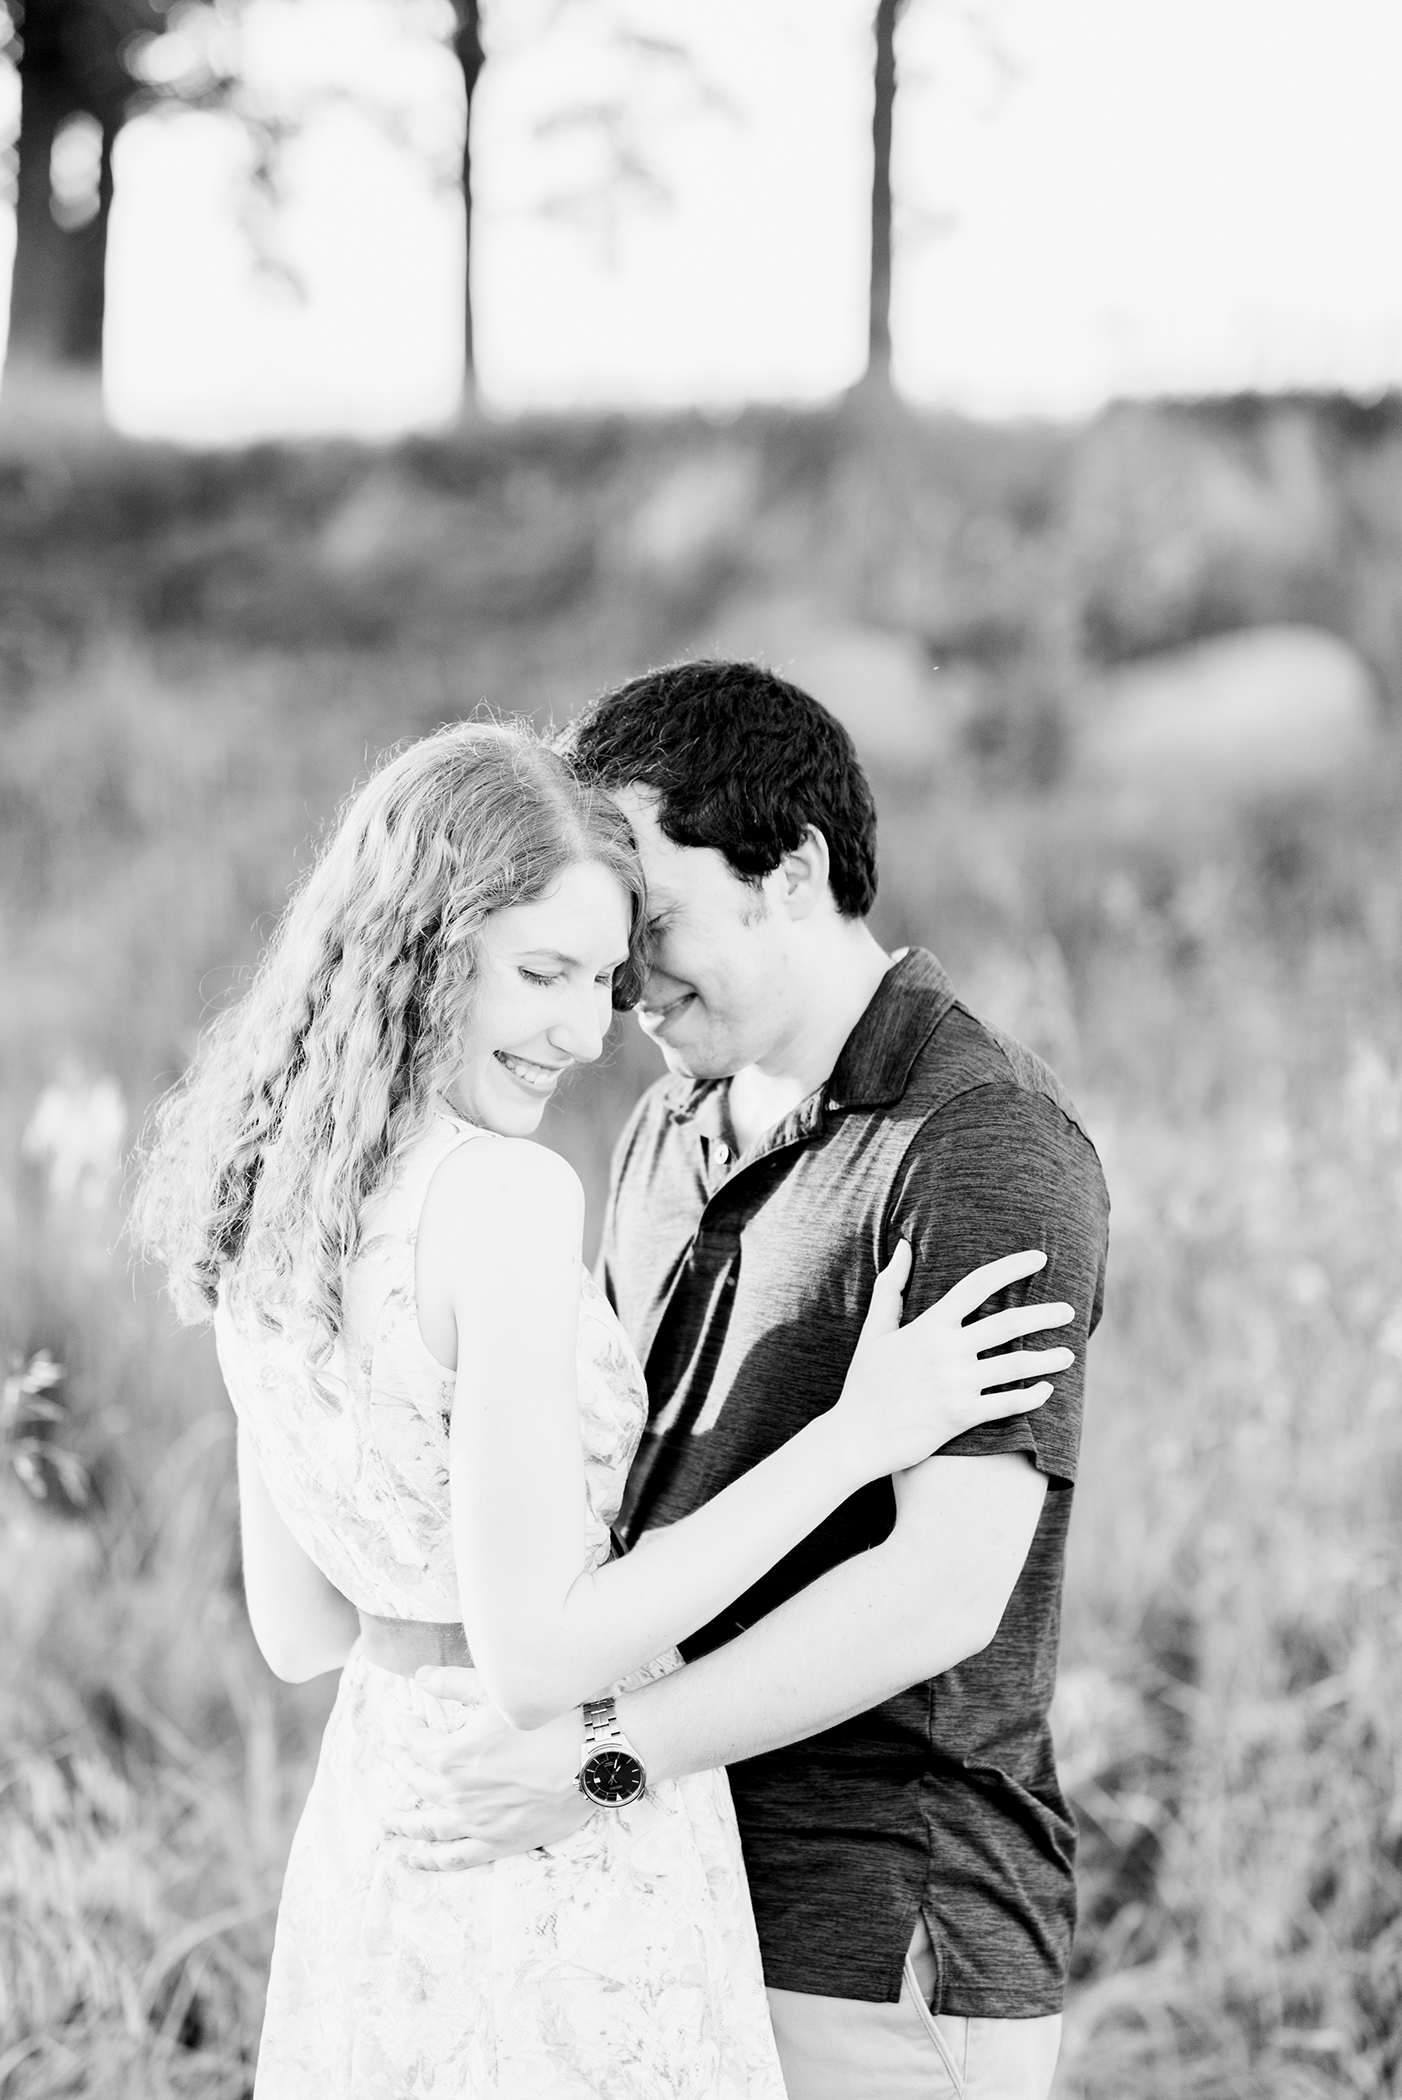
point(534, 977)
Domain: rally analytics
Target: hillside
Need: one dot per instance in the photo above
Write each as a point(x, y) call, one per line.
point(198, 655)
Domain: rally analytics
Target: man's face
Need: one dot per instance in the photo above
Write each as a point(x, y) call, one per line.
point(717, 995)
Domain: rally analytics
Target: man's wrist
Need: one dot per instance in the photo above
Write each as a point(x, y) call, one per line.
point(657, 1719)
point(611, 1772)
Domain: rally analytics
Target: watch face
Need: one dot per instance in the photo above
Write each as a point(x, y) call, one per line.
point(612, 1777)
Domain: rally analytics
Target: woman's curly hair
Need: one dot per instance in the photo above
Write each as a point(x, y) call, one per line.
point(300, 1094)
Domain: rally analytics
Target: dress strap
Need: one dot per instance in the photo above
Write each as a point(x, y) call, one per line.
point(451, 1130)
point(443, 1134)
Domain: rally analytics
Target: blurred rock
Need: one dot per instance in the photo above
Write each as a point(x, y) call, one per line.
point(383, 519)
point(880, 684)
point(1182, 522)
point(692, 515)
point(394, 548)
point(1270, 708)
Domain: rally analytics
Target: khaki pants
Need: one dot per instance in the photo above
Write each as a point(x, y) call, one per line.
point(849, 2049)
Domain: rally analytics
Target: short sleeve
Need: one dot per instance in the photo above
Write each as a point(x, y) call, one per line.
point(999, 1169)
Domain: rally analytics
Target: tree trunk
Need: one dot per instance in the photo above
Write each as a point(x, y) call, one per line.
point(88, 310)
point(467, 48)
point(888, 13)
point(58, 288)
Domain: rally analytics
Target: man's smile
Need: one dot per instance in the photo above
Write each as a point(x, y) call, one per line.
point(657, 1019)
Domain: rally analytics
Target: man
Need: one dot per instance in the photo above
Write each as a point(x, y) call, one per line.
point(881, 1697)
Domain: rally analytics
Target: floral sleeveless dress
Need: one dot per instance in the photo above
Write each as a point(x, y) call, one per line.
point(621, 1963)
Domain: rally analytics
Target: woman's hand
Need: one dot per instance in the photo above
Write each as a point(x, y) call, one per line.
point(912, 1389)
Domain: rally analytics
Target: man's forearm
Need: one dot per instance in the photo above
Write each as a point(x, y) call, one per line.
point(930, 1595)
point(836, 1649)
point(933, 1593)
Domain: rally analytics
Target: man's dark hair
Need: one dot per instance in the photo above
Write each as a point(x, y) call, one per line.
point(740, 760)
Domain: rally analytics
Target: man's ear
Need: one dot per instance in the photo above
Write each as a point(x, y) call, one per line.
point(804, 873)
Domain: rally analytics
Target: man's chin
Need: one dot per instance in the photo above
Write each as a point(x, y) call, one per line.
point(691, 1059)
point(676, 1059)
point(688, 1061)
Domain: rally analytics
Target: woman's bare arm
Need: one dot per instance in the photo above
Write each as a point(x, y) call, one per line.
point(301, 1622)
point(500, 1235)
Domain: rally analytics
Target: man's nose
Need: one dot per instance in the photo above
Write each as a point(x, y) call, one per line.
point(660, 987)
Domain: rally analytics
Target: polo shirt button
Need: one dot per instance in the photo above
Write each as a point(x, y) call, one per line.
point(722, 1154)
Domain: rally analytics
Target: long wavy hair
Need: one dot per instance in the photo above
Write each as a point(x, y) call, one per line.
point(259, 1161)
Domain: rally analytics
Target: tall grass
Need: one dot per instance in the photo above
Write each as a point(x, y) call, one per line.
point(1232, 1704)
point(151, 1770)
point(1222, 989)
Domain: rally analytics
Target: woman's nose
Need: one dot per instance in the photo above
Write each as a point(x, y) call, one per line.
point(581, 1028)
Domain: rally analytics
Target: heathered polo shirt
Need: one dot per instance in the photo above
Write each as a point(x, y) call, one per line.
point(743, 1283)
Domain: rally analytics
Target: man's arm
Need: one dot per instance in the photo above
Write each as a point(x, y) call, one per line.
point(997, 1170)
point(931, 1594)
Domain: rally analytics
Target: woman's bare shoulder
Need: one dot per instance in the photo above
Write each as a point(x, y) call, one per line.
point(504, 1180)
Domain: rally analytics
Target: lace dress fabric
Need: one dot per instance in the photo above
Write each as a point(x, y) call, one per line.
point(621, 1963)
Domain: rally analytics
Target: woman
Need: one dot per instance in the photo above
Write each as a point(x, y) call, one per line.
point(437, 1410)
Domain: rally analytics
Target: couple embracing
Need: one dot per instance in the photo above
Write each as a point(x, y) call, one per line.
point(781, 1495)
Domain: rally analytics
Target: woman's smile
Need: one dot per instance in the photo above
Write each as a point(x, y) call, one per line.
point(541, 1079)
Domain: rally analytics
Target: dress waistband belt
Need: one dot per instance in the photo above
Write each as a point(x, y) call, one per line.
point(406, 1645)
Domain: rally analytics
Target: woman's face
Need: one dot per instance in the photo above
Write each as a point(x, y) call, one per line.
point(542, 999)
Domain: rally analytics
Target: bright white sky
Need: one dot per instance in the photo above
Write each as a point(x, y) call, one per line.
point(1181, 195)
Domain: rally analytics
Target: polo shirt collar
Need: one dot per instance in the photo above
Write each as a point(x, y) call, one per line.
point(911, 1000)
point(874, 1065)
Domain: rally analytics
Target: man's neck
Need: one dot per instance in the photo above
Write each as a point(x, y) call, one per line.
point(844, 978)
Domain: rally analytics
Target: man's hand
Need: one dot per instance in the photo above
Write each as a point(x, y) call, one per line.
point(488, 1789)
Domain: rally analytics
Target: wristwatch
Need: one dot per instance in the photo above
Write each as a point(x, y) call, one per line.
point(610, 1769)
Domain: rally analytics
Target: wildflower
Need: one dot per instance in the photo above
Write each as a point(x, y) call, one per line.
point(30, 1407)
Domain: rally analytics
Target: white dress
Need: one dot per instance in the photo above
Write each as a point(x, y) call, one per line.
point(620, 1963)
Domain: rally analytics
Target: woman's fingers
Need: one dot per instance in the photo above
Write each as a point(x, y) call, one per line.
point(969, 1293)
point(994, 1329)
point(884, 1311)
point(898, 1267)
point(463, 1685)
point(436, 1826)
point(1022, 1363)
point(995, 1406)
point(422, 1784)
point(447, 1859)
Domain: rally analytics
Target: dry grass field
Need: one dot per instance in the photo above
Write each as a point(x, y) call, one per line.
point(184, 696)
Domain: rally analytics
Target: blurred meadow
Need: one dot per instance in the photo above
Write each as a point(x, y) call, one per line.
point(1129, 692)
